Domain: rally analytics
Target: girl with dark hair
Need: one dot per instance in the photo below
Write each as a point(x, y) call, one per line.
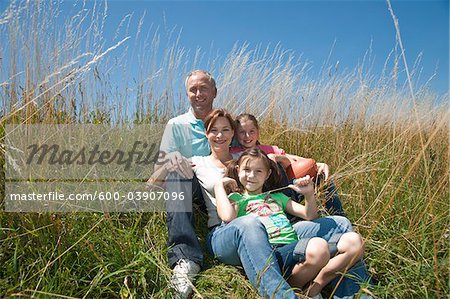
point(253, 176)
point(247, 136)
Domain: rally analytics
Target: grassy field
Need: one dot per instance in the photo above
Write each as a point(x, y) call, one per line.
point(388, 149)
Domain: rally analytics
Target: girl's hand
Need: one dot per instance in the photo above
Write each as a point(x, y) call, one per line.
point(303, 185)
point(226, 210)
point(323, 168)
point(229, 183)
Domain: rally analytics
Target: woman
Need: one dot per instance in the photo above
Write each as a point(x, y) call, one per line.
point(244, 240)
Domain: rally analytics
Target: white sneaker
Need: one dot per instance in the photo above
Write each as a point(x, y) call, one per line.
point(183, 275)
point(318, 296)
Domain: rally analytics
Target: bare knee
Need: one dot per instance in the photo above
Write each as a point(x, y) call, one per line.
point(317, 252)
point(317, 256)
point(352, 244)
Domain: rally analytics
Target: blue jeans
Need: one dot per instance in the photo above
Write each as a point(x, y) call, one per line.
point(333, 203)
point(325, 227)
point(182, 239)
point(244, 242)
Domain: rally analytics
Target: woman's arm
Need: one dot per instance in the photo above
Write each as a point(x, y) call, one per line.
point(309, 211)
point(323, 168)
point(226, 211)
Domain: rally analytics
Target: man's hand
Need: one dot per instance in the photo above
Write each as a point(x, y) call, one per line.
point(323, 168)
point(176, 162)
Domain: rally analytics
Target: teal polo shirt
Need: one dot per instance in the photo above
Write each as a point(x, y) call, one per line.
point(185, 134)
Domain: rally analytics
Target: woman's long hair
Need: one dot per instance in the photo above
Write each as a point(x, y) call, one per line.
point(272, 182)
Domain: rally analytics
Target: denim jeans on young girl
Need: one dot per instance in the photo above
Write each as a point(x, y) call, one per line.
point(244, 242)
point(326, 228)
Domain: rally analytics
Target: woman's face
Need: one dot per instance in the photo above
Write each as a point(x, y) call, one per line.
point(247, 134)
point(220, 134)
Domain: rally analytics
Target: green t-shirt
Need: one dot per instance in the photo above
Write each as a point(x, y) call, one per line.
point(270, 211)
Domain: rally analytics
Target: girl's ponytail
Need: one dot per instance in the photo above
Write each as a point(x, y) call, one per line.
point(274, 180)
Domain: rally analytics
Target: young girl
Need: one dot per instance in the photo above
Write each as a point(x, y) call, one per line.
point(247, 135)
point(251, 175)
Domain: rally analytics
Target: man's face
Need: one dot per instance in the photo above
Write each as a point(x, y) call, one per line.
point(201, 94)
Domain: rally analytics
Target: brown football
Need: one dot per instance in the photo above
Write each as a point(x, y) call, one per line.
point(301, 168)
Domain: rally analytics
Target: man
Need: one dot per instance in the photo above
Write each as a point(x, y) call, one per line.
point(183, 138)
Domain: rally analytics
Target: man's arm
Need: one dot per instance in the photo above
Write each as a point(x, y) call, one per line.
point(172, 160)
point(176, 162)
point(159, 175)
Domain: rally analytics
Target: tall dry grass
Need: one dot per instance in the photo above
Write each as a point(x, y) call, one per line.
point(387, 148)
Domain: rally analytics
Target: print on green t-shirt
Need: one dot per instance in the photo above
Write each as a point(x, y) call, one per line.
point(270, 211)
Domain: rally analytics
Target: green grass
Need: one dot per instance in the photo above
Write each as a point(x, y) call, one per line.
point(388, 151)
point(124, 254)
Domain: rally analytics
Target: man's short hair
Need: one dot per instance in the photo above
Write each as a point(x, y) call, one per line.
point(210, 77)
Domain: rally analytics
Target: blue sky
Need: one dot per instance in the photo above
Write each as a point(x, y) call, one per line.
point(308, 28)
